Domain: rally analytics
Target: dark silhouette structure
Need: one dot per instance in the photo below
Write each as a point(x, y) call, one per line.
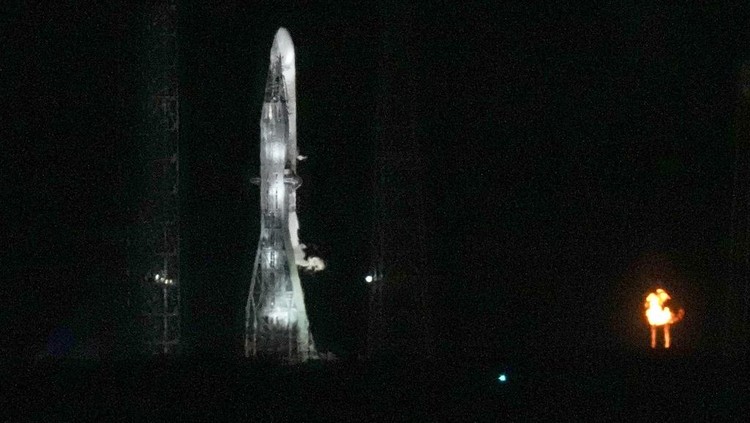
point(399, 322)
point(738, 292)
point(155, 247)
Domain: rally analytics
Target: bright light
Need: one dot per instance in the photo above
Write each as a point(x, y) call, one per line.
point(502, 378)
point(163, 280)
point(658, 315)
point(281, 316)
point(368, 278)
point(277, 152)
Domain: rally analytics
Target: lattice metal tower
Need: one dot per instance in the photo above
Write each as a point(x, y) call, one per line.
point(738, 292)
point(276, 325)
point(399, 322)
point(158, 264)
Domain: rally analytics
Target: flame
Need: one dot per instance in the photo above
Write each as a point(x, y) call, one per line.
point(658, 315)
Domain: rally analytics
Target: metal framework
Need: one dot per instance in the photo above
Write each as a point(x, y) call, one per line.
point(738, 292)
point(399, 322)
point(276, 325)
point(159, 269)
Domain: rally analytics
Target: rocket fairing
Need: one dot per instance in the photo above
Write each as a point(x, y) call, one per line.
point(276, 324)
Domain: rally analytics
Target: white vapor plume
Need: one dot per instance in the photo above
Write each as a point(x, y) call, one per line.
point(311, 263)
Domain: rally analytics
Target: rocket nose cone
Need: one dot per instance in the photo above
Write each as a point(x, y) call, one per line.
point(281, 34)
point(283, 47)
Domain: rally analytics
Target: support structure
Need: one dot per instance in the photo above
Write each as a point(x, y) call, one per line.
point(158, 263)
point(399, 323)
point(738, 292)
point(276, 324)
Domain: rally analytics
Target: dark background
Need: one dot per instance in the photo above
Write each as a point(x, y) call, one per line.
point(576, 156)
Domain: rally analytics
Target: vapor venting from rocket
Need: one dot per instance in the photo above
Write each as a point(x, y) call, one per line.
point(308, 262)
point(304, 259)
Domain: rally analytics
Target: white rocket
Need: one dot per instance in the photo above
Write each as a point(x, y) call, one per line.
point(276, 324)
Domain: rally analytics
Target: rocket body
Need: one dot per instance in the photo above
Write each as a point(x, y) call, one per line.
point(276, 323)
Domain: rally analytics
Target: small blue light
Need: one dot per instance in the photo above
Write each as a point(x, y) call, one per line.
point(502, 378)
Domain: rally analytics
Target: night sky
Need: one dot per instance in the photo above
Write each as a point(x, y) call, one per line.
point(575, 157)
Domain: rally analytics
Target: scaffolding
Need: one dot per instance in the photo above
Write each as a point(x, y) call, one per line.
point(399, 321)
point(738, 292)
point(158, 263)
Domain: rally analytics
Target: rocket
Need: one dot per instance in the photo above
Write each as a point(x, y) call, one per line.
point(276, 323)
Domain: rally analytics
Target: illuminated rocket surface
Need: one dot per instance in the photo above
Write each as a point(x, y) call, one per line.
point(276, 323)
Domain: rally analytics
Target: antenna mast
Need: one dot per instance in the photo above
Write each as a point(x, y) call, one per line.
point(159, 267)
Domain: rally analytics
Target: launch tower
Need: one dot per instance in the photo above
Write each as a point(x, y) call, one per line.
point(738, 292)
point(399, 323)
point(276, 325)
point(157, 262)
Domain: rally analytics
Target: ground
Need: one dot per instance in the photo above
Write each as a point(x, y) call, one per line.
point(595, 386)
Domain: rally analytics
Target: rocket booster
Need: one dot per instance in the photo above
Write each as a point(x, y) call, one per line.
point(276, 318)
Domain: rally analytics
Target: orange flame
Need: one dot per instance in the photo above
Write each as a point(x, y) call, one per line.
point(658, 315)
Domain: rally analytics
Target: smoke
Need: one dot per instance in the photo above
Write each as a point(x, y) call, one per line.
point(307, 261)
point(315, 264)
point(304, 258)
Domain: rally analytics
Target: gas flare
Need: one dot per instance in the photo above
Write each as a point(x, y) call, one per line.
point(658, 315)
